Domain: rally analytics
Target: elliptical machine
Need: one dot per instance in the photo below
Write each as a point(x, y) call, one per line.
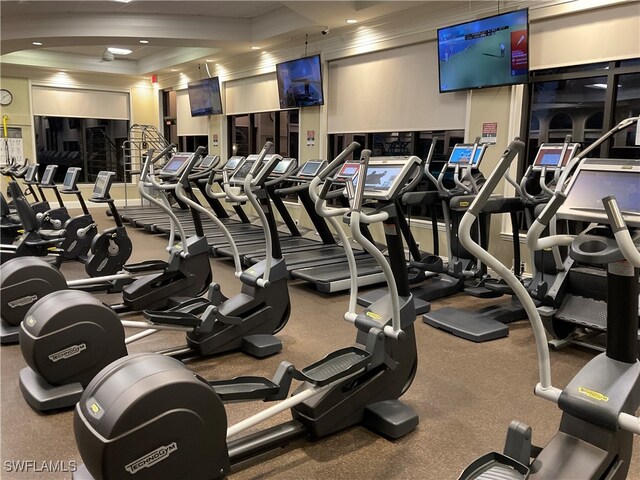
point(595, 438)
point(148, 414)
point(187, 273)
point(69, 336)
point(248, 320)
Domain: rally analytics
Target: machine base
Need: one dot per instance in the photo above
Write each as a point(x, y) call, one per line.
point(42, 396)
point(466, 325)
point(262, 345)
point(390, 418)
point(8, 333)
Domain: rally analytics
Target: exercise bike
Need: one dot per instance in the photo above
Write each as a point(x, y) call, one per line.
point(595, 437)
point(149, 415)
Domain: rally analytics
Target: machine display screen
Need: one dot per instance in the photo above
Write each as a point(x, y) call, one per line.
point(461, 154)
point(176, 162)
point(30, 176)
point(208, 161)
point(380, 178)
point(232, 163)
point(101, 186)
point(243, 171)
point(591, 186)
point(348, 170)
point(310, 169)
point(549, 156)
point(69, 178)
point(46, 178)
point(282, 166)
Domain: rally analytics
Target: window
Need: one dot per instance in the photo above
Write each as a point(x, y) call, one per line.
point(583, 101)
point(249, 132)
point(403, 143)
point(627, 105)
point(91, 144)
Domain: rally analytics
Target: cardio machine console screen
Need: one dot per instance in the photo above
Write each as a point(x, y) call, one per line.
point(174, 165)
point(233, 163)
point(48, 175)
point(207, 161)
point(549, 155)
point(282, 166)
point(594, 181)
point(384, 176)
point(30, 176)
point(102, 185)
point(243, 171)
point(348, 170)
point(461, 154)
point(310, 169)
point(70, 178)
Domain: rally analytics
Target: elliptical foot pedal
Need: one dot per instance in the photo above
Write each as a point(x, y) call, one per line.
point(262, 345)
point(333, 367)
point(391, 418)
point(8, 333)
point(43, 396)
point(245, 388)
point(495, 466)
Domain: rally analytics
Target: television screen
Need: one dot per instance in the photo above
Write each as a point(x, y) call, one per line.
point(204, 97)
point(488, 52)
point(300, 82)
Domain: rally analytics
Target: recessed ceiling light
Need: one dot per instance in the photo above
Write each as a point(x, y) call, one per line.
point(62, 72)
point(351, 20)
point(122, 1)
point(119, 51)
point(174, 69)
point(37, 43)
point(209, 60)
point(255, 48)
point(144, 41)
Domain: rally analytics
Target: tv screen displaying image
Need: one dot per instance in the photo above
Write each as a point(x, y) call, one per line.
point(489, 52)
point(204, 97)
point(300, 82)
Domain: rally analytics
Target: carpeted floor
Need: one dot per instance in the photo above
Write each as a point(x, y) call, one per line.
point(466, 394)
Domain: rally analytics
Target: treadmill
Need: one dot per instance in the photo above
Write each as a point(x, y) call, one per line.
point(205, 181)
point(335, 277)
point(146, 219)
point(317, 252)
point(294, 239)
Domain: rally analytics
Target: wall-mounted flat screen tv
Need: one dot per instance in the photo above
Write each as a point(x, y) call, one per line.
point(489, 52)
point(204, 97)
point(300, 82)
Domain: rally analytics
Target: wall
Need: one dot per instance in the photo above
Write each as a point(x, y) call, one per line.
point(19, 111)
point(557, 29)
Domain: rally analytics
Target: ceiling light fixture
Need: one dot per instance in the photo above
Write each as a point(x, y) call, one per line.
point(122, 1)
point(255, 48)
point(107, 56)
point(37, 44)
point(119, 51)
point(144, 41)
point(351, 21)
point(208, 60)
point(174, 70)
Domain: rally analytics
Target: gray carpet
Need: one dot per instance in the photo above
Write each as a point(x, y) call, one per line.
point(466, 394)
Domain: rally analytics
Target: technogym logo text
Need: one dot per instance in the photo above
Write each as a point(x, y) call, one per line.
point(22, 301)
point(68, 352)
point(151, 458)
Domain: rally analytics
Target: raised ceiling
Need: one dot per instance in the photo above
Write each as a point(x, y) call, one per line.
point(74, 34)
